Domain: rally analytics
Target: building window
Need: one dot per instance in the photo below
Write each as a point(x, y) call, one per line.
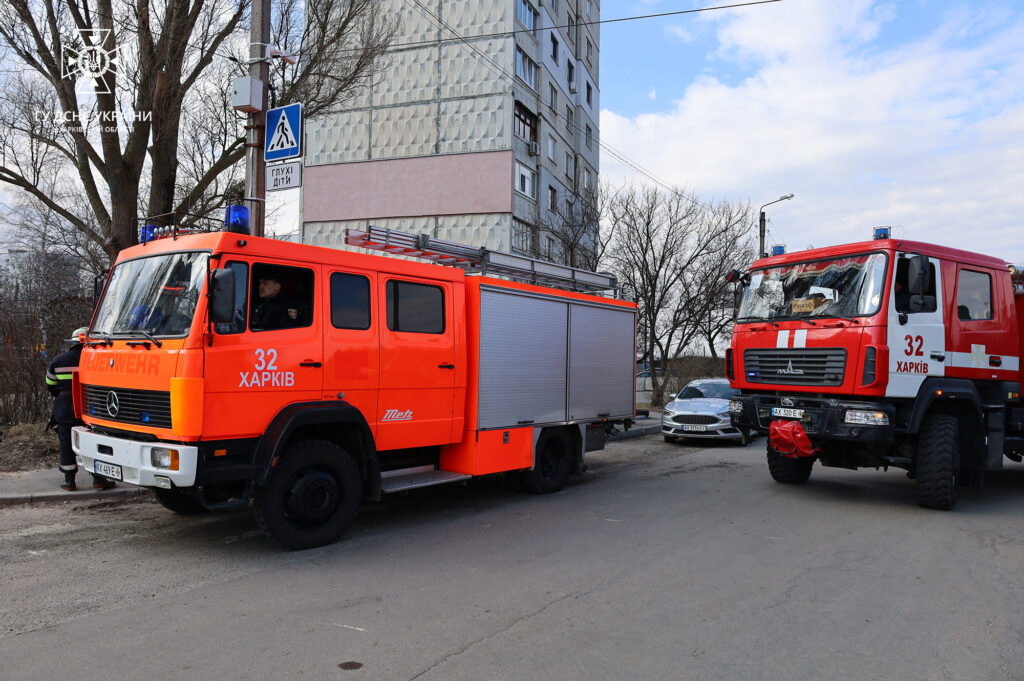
point(554, 8)
point(590, 50)
point(570, 29)
point(527, 15)
point(568, 118)
point(524, 236)
point(570, 73)
point(526, 181)
point(554, 48)
point(568, 165)
point(973, 296)
point(552, 148)
point(552, 198)
point(350, 301)
point(589, 15)
point(590, 95)
point(526, 68)
point(590, 137)
point(525, 123)
point(586, 178)
point(552, 97)
point(415, 308)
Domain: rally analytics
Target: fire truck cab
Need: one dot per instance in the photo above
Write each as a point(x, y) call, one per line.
point(881, 353)
point(222, 368)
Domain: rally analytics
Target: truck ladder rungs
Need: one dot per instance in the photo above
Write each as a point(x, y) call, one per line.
point(480, 260)
point(418, 476)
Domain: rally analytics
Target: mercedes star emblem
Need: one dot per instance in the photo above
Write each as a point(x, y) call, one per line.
point(112, 404)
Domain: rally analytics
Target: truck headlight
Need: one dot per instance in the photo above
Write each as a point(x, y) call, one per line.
point(75, 440)
point(862, 417)
point(162, 457)
point(735, 406)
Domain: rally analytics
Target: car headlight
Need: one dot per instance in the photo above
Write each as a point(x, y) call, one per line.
point(724, 414)
point(161, 457)
point(735, 406)
point(862, 417)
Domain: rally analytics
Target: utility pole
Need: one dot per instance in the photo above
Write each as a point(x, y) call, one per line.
point(256, 128)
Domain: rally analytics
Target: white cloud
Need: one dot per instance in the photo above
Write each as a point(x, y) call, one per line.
point(679, 33)
point(653, 94)
point(928, 135)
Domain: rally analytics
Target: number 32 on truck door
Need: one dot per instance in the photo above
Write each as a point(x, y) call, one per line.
point(266, 373)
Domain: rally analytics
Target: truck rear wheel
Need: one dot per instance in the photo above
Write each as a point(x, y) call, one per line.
point(179, 502)
point(788, 470)
point(938, 460)
point(552, 464)
point(311, 497)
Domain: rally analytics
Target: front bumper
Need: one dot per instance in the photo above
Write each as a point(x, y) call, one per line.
point(133, 458)
point(822, 419)
point(679, 425)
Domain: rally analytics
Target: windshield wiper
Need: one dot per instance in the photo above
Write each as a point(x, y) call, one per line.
point(839, 316)
point(748, 320)
point(152, 338)
point(104, 339)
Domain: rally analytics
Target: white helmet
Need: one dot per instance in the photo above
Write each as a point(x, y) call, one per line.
point(75, 335)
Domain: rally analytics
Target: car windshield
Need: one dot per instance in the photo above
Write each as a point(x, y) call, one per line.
point(839, 287)
point(719, 390)
point(155, 296)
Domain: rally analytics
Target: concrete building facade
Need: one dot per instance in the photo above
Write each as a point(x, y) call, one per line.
point(484, 120)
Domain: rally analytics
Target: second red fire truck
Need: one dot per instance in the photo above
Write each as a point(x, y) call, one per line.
point(884, 353)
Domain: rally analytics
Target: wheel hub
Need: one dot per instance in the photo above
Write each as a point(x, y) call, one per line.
point(313, 497)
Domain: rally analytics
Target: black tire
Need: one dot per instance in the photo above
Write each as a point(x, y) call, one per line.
point(787, 470)
point(671, 438)
point(938, 461)
point(178, 501)
point(552, 465)
point(312, 495)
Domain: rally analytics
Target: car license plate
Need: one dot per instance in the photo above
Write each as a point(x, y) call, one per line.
point(109, 470)
point(697, 429)
point(788, 413)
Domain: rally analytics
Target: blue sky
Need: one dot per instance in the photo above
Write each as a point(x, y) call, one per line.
point(872, 112)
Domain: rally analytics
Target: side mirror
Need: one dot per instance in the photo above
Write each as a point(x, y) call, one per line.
point(919, 276)
point(734, 276)
point(222, 296)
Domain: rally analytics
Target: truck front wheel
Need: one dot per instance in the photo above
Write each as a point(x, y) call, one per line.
point(311, 497)
point(938, 460)
point(178, 501)
point(788, 470)
point(552, 463)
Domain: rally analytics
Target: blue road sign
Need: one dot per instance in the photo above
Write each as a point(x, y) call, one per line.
point(284, 133)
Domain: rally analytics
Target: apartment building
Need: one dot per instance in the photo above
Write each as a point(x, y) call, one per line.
point(482, 129)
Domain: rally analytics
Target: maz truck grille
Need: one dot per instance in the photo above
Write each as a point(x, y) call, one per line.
point(142, 407)
point(795, 366)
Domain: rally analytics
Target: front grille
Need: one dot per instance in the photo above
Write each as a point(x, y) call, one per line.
point(142, 407)
point(696, 419)
point(795, 366)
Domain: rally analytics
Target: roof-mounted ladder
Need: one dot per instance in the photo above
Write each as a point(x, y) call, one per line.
point(478, 259)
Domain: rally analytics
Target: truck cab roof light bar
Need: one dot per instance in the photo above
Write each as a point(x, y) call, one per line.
point(481, 260)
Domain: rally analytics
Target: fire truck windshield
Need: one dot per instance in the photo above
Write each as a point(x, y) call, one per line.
point(155, 296)
point(839, 287)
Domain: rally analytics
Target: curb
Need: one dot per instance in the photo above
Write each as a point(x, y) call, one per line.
point(81, 495)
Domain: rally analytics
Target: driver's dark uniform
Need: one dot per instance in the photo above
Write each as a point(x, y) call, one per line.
point(277, 312)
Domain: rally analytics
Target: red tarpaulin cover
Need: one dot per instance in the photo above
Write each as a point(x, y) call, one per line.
point(788, 438)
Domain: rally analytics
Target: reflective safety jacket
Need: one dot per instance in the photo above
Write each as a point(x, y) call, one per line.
point(58, 375)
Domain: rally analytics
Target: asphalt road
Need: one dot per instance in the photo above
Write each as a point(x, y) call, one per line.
point(661, 562)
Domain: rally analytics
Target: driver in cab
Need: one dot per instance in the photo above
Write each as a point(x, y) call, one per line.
point(274, 310)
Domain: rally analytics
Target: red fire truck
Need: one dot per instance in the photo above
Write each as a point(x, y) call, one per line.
point(222, 368)
point(882, 353)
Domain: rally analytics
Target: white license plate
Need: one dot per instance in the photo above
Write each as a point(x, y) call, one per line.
point(788, 413)
point(109, 470)
point(696, 429)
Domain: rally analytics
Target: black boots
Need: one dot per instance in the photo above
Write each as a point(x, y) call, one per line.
point(69, 481)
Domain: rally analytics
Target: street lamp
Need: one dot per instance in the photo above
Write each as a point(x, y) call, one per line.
point(762, 224)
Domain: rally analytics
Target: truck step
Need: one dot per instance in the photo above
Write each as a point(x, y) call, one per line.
point(418, 476)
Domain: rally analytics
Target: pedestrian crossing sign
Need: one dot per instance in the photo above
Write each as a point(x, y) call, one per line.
point(284, 133)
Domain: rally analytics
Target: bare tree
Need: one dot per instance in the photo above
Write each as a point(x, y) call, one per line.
point(575, 224)
point(154, 132)
point(671, 250)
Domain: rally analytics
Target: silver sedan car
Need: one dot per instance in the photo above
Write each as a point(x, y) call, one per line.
point(701, 409)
